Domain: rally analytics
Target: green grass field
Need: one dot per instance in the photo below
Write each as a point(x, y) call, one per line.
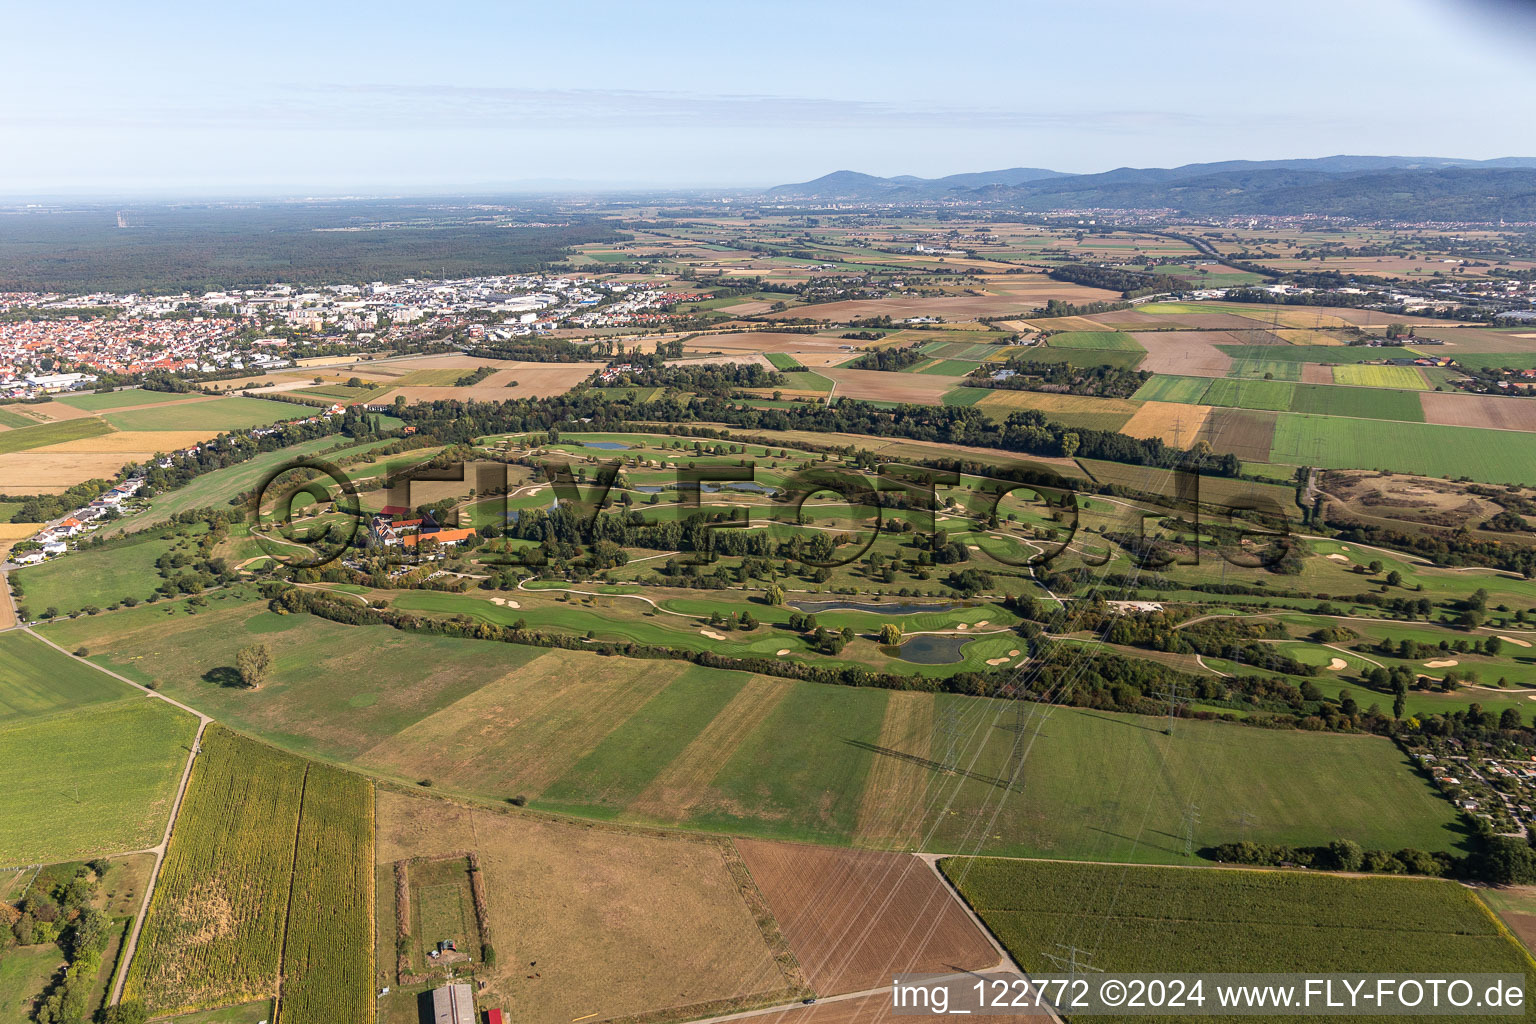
point(1340, 354)
point(94, 780)
point(1155, 920)
point(1114, 787)
point(1370, 403)
point(428, 378)
point(1492, 456)
point(14, 419)
point(1274, 395)
point(125, 399)
point(1286, 396)
point(964, 396)
point(1168, 388)
point(783, 361)
point(36, 680)
point(1104, 341)
point(1080, 356)
point(791, 757)
point(96, 576)
point(220, 414)
point(1276, 369)
point(23, 439)
point(216, 488)
point(951, 367)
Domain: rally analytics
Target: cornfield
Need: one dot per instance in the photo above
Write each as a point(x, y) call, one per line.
point(328, 958)
point(214, 932)
point(266, 889)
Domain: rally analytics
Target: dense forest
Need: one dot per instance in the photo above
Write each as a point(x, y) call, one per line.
point(171, 249)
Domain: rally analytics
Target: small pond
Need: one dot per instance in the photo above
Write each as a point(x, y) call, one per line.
point(933, 650)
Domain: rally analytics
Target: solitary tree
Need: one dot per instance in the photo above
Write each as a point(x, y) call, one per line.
point(253, 664)
point(890, 634)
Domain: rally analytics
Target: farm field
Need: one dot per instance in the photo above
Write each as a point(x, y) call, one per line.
point(1430, 449)
point(878, 385)
point(36, 680)
point(61, 800)
point(1405, 377)
point(1165, 920)
point(213, 416)
point(20, 439)
point(125, 399)
point(223, 929)
point(703, 748)
point(620, 921)
point(904, 918)
point(1107, 341)
point(327, 965)
point(1072, 410)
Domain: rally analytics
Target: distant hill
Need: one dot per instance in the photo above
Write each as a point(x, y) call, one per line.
point(853, 184)
point(1364, 187)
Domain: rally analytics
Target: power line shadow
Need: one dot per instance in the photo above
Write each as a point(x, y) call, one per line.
point(1133, 840)
point(929, 763)
point(1123, 721)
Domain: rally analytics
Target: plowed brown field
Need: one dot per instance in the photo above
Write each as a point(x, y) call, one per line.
point(855, 917)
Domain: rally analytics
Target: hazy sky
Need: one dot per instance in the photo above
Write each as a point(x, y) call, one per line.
point(327, 97)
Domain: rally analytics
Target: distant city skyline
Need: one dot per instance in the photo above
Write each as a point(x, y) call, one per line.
point(284, 99)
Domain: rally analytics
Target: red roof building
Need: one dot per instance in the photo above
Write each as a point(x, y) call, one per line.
point(494, 1017)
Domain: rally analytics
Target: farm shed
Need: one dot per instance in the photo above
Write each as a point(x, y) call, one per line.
point(453, 1004)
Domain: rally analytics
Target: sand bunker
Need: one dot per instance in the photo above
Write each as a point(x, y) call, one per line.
point(1013, 654)
point(712, 634)
point(997, 661)
point(505, 603)
point(983, 622)
point(1443, 663)
point(962, 625)
point(783, 651)
point(1516, 642)
point(1338, 558)
point(1338, 663)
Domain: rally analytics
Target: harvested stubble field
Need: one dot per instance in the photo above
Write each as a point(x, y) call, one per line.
point(534, 380)
point(1169, 919)
point(1500, 412)
point(1174, 422)
point(880, 386)
point(1071, 410)
point(807, 349)
point(1246, 433)
point(620, 921)
point(856, 917)
point(1185, 353)
point(141, 443)
point(55, 472)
